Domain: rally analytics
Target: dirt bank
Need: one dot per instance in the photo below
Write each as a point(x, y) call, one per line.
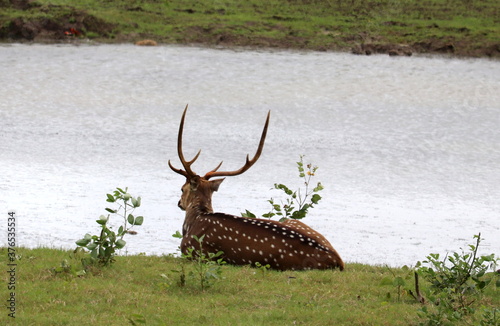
point(53, 23)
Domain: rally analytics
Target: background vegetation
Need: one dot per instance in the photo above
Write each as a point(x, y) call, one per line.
point(461, 27)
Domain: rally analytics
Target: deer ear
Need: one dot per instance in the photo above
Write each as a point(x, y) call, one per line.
point(194, 183)
point(214, 184)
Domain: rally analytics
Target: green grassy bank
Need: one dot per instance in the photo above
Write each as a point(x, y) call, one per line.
point(144, 290)
point(458, 27)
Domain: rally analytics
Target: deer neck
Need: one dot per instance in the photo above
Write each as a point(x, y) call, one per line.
point(198, 205)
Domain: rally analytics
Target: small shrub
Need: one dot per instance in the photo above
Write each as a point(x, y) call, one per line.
point(103, 247)
point(65, 268)
point(262, 268)
point(398, 281)
point(456, 284)
point(298, 202)
point(206, 267)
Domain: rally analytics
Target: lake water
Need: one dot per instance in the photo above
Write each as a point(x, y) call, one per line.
point(408, 149)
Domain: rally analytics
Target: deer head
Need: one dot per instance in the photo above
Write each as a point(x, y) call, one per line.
point(291, 245)
point(197, 191)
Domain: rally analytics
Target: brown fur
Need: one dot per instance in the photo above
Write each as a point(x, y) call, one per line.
point(290, 245)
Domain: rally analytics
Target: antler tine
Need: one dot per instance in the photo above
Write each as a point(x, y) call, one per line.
point(216, 168)
point(249, 162)
point(182, 172)
point(186, 164)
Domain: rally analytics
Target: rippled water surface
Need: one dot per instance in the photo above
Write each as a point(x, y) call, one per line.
point(408, 149)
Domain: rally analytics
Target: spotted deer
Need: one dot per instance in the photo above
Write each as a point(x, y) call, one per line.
point(245, 241)
point(310, 232)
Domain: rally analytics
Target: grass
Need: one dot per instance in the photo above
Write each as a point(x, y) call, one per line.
point(472, 27)
point(134, 286)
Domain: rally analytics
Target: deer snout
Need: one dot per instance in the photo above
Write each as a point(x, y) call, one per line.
point(179, 204)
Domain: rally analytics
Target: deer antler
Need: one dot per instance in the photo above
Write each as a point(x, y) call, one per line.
point(248, 162)
point(188, 173)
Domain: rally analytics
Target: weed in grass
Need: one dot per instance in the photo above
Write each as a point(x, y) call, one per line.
point(206, 268)
point(262, 268)
point(66, 268)
point(103, 247)
point(398, 280)
point(491, 317)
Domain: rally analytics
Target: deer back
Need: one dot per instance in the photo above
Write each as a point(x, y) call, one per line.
point(248, 241)
point(310, 232)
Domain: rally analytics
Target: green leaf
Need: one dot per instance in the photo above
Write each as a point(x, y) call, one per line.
point(110, 239)
point(398, 281)
point(177, 234)
point(136, 202)
point(315, 198)
point(121, 190)
point(110, 250)
point(111, 198)
point(298, 215)
point(248, 214)
point(481, 285)
point(319, 187)
point(200, 239)
point(284, 188)
point(120, 243)
point(139, 220)
point(113, 211)
point(82, 242)
point(102, 220)
point(130, 219)
point(92, 246)
point(386, 281)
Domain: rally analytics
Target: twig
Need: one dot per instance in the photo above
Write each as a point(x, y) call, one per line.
point(418, 295)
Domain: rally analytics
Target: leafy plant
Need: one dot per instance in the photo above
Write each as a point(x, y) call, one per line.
point(491, 317)
point(65, 268)
point(298, 202)
point(262, 268)
point(398, 281)
point(206, 268)
point(103, 247)
point(456, 283)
